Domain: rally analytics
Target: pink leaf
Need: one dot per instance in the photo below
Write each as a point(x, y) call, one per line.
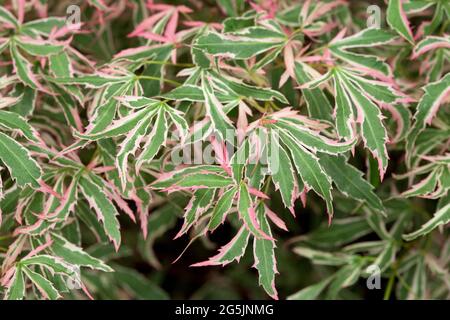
point(275, 219)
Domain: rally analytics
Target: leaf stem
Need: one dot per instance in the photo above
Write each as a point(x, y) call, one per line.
point(390, 285)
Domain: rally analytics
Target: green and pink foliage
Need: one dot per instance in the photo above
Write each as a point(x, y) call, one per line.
point(159, 120)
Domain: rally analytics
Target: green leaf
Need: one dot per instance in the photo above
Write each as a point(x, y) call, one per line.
point(426, 186)
point(264, 254)
point(8, 17)
point(60, 65)
point(193, 179)
point(13, 121)
point(221, 208)
point(312, 140)
point(239, 160)
point(23, 68)
point(54, 264)
point(214, 109)
point(363, 61)
point(349, 180)
point(426, 110)
point(311, 292)
point(187, 92)
point(27, 103)
point(44, 286)
point(244, 90)
point(345, 277)
point(281, 170)
point(200, 59)
point(159, 222)
point(129, 146)
point(137, 102)
point(89, 218)
point(67, 205)
point(243, 47)
point(204, 180)
point(309, 169)
point(106, 212)
point(121, 126)
point(322, 257)
point(22, 167)
point(1, 191)
point(198, 205)
point(174, 177)
point(373, 131)
point(366, 38)
point(387, 256)
point(397, 20)
point(234, 250)
point(16, 291)
point(231, 7)
point(138, 285)
point(417, 289)
point(237, 23)
point(344, 111)
point(4, 43)
point(43, 26)
point(155, 140)
point(340, 232)
point(92, 81)
point(179, 122)
point(248, 214)
point(319, 106)
point(39, 48)
point(376, 90)
point(441, 217)
point(76, 255)
point(430, 43)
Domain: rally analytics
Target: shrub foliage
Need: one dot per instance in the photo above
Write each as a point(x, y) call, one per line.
point(296, 130)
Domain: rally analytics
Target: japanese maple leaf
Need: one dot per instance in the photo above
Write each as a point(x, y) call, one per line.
point(270, 7)
point(145, 28)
